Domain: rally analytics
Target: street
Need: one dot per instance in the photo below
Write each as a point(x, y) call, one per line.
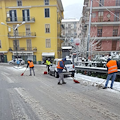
point(40, 98)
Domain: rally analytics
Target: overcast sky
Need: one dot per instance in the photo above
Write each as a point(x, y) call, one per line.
point(72, 8)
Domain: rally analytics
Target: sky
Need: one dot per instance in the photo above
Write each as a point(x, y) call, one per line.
point(72, 8)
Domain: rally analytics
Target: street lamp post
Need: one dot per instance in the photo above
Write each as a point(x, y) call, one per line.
point(14, 29)
point(88, 39)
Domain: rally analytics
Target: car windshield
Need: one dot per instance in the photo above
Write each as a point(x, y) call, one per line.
point(68, 62)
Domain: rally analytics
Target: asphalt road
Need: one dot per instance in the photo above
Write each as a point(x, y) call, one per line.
point(40, 98)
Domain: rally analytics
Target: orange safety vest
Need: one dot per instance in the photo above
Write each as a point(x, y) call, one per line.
point(112, 66)
point(58, 66)
point(31, 64)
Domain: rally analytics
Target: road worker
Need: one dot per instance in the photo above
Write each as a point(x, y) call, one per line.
point(48, 64)
point(31, 66)
point(112, 67)
point(60, 67)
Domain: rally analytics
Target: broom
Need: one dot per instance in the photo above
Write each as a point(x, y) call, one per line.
point(23, 72)
point(76, 81)
point(100, 85)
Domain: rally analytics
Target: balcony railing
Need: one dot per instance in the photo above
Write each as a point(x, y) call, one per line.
point(22, 34)
point(22, 48)
point(20, 19)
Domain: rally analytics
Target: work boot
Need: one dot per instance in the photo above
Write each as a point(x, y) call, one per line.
point(59, 83)
point(63, 82)
point(104, 87)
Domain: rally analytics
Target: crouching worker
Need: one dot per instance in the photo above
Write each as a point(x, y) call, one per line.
point(60, 68)
point(31, 66)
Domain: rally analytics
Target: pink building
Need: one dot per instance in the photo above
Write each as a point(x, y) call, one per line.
point(105, 24)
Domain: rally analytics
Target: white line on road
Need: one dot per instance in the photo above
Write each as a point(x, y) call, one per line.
point(42, 113)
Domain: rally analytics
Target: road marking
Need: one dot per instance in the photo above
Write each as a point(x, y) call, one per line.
point(8, 79)
point(42, 113)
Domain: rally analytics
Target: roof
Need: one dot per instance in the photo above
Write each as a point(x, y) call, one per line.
point(70, 20)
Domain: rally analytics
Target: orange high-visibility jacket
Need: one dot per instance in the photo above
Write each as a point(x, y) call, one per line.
point(31, 64)
point(112, 66)
point(58, 66)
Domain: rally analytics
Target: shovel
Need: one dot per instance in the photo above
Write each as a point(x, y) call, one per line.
point(23, 72)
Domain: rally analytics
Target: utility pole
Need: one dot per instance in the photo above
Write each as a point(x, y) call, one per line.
point(88, 38)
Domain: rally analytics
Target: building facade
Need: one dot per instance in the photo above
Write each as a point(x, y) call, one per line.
point(38, 37)
point(105, 25)
point(69, 33)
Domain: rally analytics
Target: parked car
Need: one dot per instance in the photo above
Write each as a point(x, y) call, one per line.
point(14, 61)
point(68, 64)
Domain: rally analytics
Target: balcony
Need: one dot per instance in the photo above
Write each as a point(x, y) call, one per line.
point(23, 49)
point(22, 35)
point(106, 38)
point(104, 8)
point(105, 23)
point(20, 19)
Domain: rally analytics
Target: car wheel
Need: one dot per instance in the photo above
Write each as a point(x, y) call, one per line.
point(73, 74)
point(56, 74)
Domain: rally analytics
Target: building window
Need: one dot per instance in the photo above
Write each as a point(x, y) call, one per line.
point(26, 15)
point(47, 28)
point(16, 45)
point(46, 2)
point(99, 33)
point(115, 32)
point(29, 45)
point(114, 44)
point(15, 31)
point(19, 2)
point(116, 17)
point(13, 15)
point(47, 12)
point(100, 16)
point(69, 26)
point(0, 44)
point(28, 32)
point(117, 2)
point(93, 15)
point(101, 3)
point(48, 43)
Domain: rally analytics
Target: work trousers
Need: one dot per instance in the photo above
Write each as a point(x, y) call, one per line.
point(113, 75)
point(61, 77)
point(48, 68)
point(32, 68)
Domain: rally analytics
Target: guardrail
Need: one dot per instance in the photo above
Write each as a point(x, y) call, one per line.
point(94, 69)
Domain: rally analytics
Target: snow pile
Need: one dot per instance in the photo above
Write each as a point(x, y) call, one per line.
point(94, 81)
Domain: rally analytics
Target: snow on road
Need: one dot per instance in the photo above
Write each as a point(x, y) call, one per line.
point(84, 79)
point(94, 81)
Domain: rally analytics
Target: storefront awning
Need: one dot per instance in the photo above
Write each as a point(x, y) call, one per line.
point(67, 47)
point(46, 54)
point(3, 52)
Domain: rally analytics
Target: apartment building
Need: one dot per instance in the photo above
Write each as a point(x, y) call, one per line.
point(38, 24)
point(69, 33)
point(105, 25)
